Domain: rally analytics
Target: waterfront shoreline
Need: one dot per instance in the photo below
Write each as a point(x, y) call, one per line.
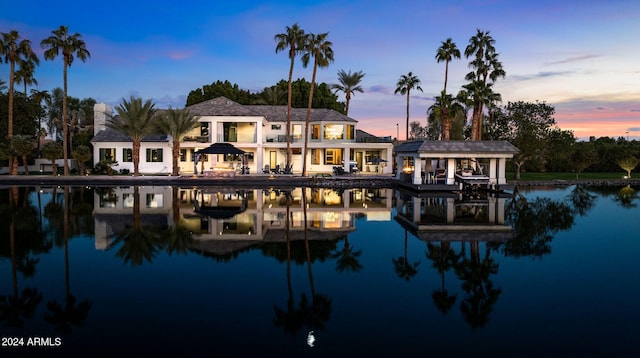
point(267, 181)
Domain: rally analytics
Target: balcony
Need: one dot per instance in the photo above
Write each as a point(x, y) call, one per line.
point(198, 139)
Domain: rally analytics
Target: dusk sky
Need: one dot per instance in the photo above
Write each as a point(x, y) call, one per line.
point(581, 57)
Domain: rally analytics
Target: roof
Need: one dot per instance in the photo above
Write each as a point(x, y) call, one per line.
point(457, 147)
point(111, 135)
point(222, 106)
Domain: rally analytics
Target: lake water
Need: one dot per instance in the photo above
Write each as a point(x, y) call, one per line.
point(221, 272)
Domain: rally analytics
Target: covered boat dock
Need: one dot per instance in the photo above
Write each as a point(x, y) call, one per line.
point(443, 165)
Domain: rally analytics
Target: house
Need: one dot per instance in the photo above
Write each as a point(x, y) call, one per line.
point(260, 131)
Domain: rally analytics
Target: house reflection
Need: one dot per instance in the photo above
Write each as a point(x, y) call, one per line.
point(240, 217)
point(454, 216)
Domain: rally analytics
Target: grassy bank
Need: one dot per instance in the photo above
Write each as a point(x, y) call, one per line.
point(568, 176)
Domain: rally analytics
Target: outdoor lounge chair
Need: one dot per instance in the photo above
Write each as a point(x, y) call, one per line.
point(288, 169)
point(277, 169)
point(267, 169)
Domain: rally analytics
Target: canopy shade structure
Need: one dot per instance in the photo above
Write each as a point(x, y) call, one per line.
point(220, 148)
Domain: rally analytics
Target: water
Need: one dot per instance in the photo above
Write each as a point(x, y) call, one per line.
point(379, 273)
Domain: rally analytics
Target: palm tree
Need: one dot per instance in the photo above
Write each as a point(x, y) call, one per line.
point(25, 74)
point(271, 96)
point(318, 48)
point(176, 123)
point(293, 39)
point(404, 86)
point(447, 52)
point(134, 120)
point(23, 145)
point(13, 50)
point(347, 258)
point(349, 84)
point(71, 46)
point(487, 68)
point(52, 151)
point(442, 110)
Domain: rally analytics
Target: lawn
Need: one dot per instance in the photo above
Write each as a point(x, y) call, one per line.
point(569, 176)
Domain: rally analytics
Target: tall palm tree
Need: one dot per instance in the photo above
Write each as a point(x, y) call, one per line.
point(487, 69)
point(293, 40)
point(447, 52)
point(318, 48)
point(70, 46)
point(134, 120)
point(14, 50)
point(442, 110)
point(349, 84)
point(404, 86)
point(176, 123)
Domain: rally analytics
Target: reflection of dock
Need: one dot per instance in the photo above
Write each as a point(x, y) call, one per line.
point(453, 218)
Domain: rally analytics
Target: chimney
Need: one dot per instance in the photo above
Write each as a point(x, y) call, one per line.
point(101, 114)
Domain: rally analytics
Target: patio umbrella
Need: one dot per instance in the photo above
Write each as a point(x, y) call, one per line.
point(220, 148)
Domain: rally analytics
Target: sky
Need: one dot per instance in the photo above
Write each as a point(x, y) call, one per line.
point(581, 57)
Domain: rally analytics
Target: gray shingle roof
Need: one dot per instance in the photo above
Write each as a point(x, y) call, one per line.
point(222, 106)
point(457, 146)
point(110, 135)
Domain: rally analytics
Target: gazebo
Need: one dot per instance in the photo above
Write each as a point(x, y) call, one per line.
point(451, 162)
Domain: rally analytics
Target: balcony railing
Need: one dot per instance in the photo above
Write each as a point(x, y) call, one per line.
point(199, 139)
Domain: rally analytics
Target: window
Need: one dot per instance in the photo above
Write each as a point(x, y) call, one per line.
point(204, 129)
point(316, 156)
point(127, 155)
point(127, 200)
point(154, 155)
point(333, 131)
point(315, 131)
point(297, 132)
point(351, 131)
point(333, 156)
point(107, 154)
point(276, 127)
point(238, 157)
point(183, 155)
point(154, 200)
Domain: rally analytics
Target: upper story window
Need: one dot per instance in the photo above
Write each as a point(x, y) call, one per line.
point(315, 131)
point(276, 127)
point(351, 132)
point(334, 131)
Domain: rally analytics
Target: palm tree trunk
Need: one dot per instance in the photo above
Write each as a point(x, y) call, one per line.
point(136, 157)
point(26, 165)
point(308, 119)
point(348, 96)
point(12, 166)
point(176, 156)
point(289, 100)
point(65, 149)
point(406, 136)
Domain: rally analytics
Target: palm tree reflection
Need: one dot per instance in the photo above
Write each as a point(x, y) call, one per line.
point(444, 258)
point(72, 313)
point(404, 269)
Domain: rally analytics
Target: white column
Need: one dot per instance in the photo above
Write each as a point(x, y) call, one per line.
point(417, 170)
point(347, 158)
point(492, 170)
point(451, 169)
point(502, 163)
point(451, 210)
point(416, 210)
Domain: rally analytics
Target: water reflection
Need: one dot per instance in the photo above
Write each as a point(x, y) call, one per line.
point(307, 238)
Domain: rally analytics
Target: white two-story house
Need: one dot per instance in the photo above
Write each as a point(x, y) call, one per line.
point(258, 130)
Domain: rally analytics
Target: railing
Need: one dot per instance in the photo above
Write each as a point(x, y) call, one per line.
point(199, 139)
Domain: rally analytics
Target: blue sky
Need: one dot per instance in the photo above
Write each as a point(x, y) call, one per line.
point(582, 57)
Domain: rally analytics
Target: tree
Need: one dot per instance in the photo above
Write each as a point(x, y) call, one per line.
point(628, 164)
point(583, 154)
point(294, 40)
point(404, 86)
point(487, 70)
point(446, 52)
point(219, 89)
point(82, 154)
point(349, 83)
point(527, 126)
point(441, 111)
point(417, 131)
point(271, 96)
point(318, 48)
point(176, 123)
point(13, 50)
point(135, 121)
point(22, 146)
point(25, 74)
point(70, 46)
point(52, 151)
